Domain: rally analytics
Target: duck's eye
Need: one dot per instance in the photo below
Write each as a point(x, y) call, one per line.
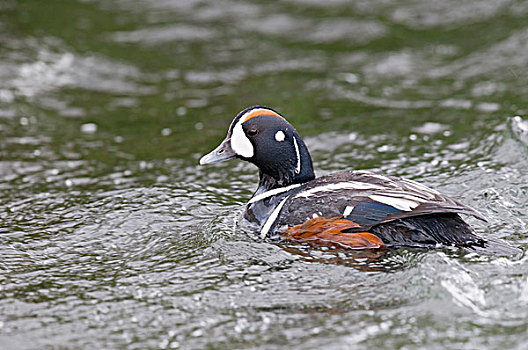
point(252, 132)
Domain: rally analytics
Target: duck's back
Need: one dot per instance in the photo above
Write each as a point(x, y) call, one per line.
point(383, 210)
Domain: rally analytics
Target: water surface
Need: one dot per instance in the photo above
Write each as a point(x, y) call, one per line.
point(112, 236)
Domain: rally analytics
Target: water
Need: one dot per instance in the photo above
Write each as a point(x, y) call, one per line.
point(111, 235)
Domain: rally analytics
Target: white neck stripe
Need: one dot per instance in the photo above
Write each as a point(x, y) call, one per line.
point(298, 168)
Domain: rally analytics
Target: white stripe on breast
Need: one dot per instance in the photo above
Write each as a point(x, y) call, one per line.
point(348, 210)
point(270, 193)
point(347, 185)
point(272, 218)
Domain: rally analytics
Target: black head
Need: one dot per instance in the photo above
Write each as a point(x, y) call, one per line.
point(263, 137)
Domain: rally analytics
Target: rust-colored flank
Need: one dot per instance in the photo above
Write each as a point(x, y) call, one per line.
point(329, 231)
point(258, 112)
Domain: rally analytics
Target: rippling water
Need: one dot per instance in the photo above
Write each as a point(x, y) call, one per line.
point(111, 235)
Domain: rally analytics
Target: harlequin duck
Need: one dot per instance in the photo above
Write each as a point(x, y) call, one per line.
point(351, 209)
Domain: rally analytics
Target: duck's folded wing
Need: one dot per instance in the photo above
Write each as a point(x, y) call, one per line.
point(384, 206)
point(369, 199)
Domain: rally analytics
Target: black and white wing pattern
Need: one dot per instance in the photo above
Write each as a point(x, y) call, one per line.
point(367, 199)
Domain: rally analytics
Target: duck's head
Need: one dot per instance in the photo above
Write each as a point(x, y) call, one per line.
point(262, 136)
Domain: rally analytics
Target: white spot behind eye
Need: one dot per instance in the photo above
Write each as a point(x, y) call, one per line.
point(279, 136)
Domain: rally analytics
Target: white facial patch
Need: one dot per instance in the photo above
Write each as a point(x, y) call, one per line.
point(279, 136)
point(240, 143)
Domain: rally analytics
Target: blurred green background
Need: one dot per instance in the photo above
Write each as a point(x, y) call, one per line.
point(135, 68)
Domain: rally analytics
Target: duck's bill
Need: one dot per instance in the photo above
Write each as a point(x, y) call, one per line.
point(219, 154)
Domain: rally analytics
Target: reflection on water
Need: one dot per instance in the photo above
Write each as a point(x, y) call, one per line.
point(111, 235)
